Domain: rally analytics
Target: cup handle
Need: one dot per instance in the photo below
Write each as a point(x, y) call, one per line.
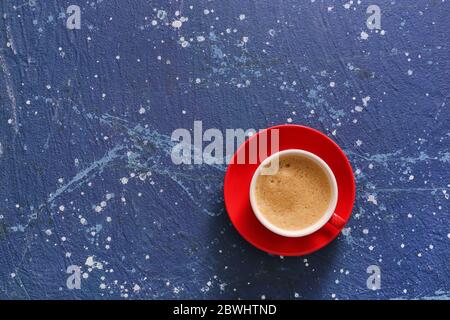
point(337, 222)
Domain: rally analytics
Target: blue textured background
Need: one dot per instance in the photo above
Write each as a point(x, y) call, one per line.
point(83, 109)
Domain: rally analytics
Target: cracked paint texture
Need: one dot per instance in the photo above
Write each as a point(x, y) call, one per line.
point(85, 142)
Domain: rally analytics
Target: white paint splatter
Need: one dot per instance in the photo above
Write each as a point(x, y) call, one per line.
point(90, 262)
point(161, 14)
point(177, 24)
point(10, 93)
point(371, 198)
point(365, 100)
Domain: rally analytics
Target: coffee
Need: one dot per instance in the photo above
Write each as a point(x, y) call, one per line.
point(296, 196)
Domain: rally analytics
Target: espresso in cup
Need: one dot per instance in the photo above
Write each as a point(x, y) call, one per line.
point(296, 199)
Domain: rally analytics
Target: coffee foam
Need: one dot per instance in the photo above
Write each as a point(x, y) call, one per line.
point(297, 196)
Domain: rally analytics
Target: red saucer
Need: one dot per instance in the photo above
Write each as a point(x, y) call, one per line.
point(239, 176)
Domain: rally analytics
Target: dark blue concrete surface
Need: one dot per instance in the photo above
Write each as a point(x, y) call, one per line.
point(81, 110)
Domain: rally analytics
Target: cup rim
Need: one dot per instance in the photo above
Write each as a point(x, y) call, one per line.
point(322, 221)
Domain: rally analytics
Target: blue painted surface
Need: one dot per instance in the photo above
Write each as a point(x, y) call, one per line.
point(83, 109)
